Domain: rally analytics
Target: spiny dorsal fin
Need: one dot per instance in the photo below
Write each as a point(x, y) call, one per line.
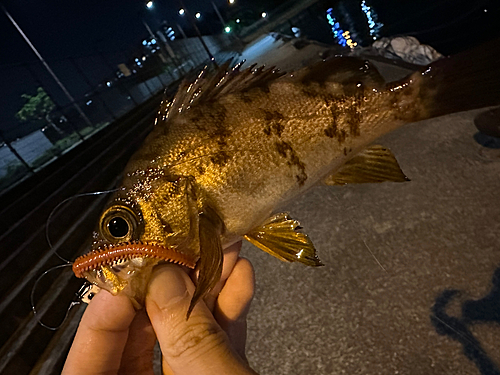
point(212, 85)
point(279, 236)
point(374, 164)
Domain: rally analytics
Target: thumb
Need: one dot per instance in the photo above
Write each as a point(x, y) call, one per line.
point(197, 345)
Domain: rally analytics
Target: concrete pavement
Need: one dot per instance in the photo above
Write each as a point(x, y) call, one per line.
point(390, 251)
point(394, 254)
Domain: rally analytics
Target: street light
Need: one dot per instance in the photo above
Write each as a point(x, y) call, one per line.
point(264, 14)
point(198, 15)
point(149, 4)
point(182, 11)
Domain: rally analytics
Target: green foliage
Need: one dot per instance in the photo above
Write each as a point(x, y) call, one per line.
point(36, 107)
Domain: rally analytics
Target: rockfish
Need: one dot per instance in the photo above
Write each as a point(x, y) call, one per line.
point(235, 145)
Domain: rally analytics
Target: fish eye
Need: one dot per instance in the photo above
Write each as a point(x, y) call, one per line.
point(118, 224)
point(118, 227)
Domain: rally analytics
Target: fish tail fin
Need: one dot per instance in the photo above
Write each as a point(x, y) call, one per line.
point(462, 82)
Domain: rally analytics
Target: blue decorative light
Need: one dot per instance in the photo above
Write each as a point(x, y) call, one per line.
point(343, 37)
point(371, 17)
point(336, 29)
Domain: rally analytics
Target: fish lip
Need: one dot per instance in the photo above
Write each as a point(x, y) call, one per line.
point(110, 254)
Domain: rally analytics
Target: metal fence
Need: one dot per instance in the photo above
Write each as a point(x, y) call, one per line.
point(27, 146)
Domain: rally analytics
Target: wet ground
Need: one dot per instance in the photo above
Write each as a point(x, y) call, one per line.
point(411, 283)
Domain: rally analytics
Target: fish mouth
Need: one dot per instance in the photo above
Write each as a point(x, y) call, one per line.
point(109, 255)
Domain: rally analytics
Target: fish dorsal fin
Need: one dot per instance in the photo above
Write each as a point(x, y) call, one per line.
point(210, 85)
point(374, 164)
point(279, 236)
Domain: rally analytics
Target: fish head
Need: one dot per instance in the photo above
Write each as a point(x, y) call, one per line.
point(147, 221)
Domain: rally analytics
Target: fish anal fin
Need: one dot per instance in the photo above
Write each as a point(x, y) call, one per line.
point(211, 257)
point(374, 164)
point(279, 236)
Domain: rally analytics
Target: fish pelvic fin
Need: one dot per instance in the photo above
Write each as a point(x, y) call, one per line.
point(211, 256)
point(374, 164)
point(280, 237)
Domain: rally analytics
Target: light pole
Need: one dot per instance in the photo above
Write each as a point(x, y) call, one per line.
point(152, 36)
point(193, 23)
point(169, 49)
point(219, 15)
point(225, 27)
point(183, 11)
point(181, 30)
point(51, 72)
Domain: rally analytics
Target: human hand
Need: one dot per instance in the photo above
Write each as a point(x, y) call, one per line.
point(112, 338)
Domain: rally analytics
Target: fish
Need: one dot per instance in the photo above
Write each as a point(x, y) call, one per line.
point(235, 145)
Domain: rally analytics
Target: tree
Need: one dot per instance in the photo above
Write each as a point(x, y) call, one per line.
point(38, 107)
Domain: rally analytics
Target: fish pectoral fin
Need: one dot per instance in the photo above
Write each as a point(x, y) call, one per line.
point(280, 237)
point(374, 164)
point(211, 258)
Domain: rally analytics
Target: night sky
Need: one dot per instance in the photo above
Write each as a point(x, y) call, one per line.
point(61, 28)
point(65, 30)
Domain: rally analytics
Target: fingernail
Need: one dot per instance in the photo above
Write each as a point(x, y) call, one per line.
point(167, 286)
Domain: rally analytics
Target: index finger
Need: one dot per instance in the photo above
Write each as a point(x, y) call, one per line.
point(101, 336)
